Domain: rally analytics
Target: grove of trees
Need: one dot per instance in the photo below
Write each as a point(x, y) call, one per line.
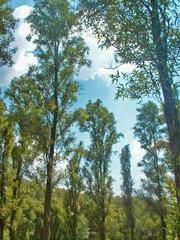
point(54, 186)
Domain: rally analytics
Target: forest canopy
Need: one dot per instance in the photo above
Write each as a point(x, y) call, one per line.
point(58, 152)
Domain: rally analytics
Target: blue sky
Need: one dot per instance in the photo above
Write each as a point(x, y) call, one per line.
point(95, 83)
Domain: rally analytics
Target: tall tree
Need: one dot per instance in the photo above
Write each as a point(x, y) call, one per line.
point(127, 190)
point(61, 53)
point(146, 34)
point(26, 147)
point(149, 131)
point(7, 26)
point(100, 124)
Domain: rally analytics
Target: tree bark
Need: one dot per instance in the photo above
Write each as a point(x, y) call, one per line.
point(102, 228)
point(1, 228)
point(47, 203)
point(170, 108)
point(102, 233)
point(46, 232)
point(162, 213)
point(11, 228)
point(163, 227)
point(74, 230)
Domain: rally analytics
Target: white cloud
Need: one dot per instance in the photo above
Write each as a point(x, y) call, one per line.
point(24, 61)
point(102, 61)
point(23, 30)
point(137, 154)
point(22, 12)
point(136, 150)
point(24, 56)
point(101, 58)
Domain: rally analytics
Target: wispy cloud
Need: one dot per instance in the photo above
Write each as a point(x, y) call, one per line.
point(24, 56)
point(102, 62)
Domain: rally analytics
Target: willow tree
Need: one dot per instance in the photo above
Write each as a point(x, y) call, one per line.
point(127, 191)
point(60, 52)
point(145, 34)
point(99, 123)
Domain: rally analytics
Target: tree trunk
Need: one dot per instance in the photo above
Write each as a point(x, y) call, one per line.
point(132, 230)
point(2, 197)
point(102, 233)
point(47, 203)
point(48, 192)
point(46, 233)
point(74, 230)
point(11, 228)
point(1, 228)
point(102, 229)
point(160, 193)
point(170, 108)
point(163, 227)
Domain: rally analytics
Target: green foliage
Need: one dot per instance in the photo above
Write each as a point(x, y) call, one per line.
point(100, 125)
point(36, 125)
point(6, 173)
point(7, 26)
point(53, 90)
point(148, 130)
point(74, 184)
point(127, 27)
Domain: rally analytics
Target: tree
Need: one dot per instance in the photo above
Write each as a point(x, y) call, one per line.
point(26, 148)
point(74, 185)
point(61, 53)
point(24, 153)
point(7, 26)
point(149, 131)
point(6, 143)
point(100, 124)
point(146, 34)
point(127, 190)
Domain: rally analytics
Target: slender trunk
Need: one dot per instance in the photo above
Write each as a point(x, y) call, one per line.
point(74, 230)
point(2, 220)
point(163, 227)
point(102, 228)
point(46, 232)
point(131, 219)
point(2, 197)
point(16, 194)
point(47, 203)
point(102, 233)
point(132, 228)
point(132, 233)
point(160, 193)
point(170, 108)
point(1, 228)
point(11, 227)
